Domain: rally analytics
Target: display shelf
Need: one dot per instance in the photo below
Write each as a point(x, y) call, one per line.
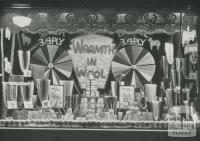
point(91, 97)
point(83, 129)
point(90, 125)
point(18, 83)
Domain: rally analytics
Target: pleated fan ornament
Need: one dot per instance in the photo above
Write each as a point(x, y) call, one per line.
point(51, 62)
point(134, 65)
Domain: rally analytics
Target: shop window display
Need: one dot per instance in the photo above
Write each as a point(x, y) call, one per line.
point(108, 69)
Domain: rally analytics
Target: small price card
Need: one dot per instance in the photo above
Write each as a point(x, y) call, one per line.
point(12, 104)
point(28, 104)
point(46, 104)
point(27, 73)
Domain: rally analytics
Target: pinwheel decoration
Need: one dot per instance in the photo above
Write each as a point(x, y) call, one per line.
point(51, 62)
point(133, 65)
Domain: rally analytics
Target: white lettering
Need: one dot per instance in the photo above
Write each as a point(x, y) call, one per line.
point(52, 41)
point(132, 41)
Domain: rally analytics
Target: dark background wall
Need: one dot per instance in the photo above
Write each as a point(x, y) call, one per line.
point(106, 3)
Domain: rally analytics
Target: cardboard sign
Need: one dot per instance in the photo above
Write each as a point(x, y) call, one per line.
point(28, 104)
point(126, 96)
point(190, 47)
point(56, 96)
point(12, 104)
point(91, 56)
point(193, 48)
point(188, 36)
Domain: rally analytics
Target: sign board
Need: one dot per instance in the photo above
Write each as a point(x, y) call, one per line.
point(51, 41)
point(12, 104)
point(27, 73)
point(28, 104)
point(126, 96)
point(91, 56)
point(134, 39)
point(56, 96)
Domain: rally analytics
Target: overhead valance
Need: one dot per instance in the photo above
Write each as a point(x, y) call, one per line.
point(58, 21)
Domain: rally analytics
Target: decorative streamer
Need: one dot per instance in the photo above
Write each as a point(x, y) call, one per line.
point(165, 67)
point(27, 94)
point(8, 33)
point(114, 88)
point(65, 87)
point(12, 52)
point(181, 21)
point(169, 50)
point(43, 89)
point(2, 55)
point(19, 41)
point(68, 89)
point(179, 54)
point(75, 85)
point(4, 109)
point(10, 95)
point(185, 67)
point(169, 98)
point(24, 61)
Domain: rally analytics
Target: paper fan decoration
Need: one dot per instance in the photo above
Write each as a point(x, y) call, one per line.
point(51, 62)
point(133, 65)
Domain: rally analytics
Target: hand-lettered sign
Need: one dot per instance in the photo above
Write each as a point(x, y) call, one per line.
point(126, 97)
point(91, 56)
point(51, 40)
point(133, 39)
point(56, 96)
